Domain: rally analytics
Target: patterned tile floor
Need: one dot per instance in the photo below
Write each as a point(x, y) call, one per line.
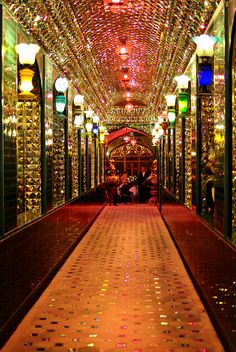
point(124, 288)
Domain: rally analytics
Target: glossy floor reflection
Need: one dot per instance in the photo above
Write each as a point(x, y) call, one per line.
point(124, 288)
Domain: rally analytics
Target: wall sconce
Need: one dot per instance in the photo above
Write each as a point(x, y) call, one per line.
point(78, 110)
point(170, 100)
point(61, 85)
point(182, 81)
point(89, 126)
point(27, 53)
point(26, 85)
point(183, 96)
point(171, 117)
point(60, 103)
point(205, 45)
point(171, 113)
point(163, 121)
point(79, 121)
point(95, 125)
point(78, 100)
point(102, 134)
point(96, 119)
point(205, 51)
point(89, 121)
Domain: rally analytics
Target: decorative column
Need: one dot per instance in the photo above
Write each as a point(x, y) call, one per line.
point(183, 105)
point(78, 114)
point(89, 128)
point(171, 113)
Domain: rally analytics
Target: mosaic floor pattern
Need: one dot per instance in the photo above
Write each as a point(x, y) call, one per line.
point(124, 288)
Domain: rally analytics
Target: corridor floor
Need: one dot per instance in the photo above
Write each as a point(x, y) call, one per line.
point(124, 288)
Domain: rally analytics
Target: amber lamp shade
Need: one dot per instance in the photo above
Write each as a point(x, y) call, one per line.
point(26, 85)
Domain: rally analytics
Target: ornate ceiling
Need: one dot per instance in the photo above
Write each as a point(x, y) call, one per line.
point(81, 37)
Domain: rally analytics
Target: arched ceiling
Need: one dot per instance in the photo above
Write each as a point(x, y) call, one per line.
point(81, 37)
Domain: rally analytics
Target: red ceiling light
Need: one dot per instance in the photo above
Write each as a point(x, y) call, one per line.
point(115, 6)
point(129, 106)
point(123, 50)
point(125, 76)
point(128, 95)
point(133, 141)
point(126, 139)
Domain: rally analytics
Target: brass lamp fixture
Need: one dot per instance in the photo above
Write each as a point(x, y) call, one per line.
point(78, 110)
point(171, 112)
point(183, 95)
point(205, 51)
point(27, 55)
point(61, 86)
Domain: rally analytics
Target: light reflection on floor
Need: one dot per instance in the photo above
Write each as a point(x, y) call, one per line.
point(124, 288)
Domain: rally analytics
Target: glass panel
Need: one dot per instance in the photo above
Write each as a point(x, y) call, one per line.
point(73, 155)
point(49, 131)
point(9, 100)
point(213, 115)
point(28, 144)
point(234, 141)
point(190, 152)
point(28, 161)
point(83, 161)
point(71, 184)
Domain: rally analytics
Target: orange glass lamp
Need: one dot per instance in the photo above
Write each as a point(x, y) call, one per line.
point(26, 85)
point(115, 6)
point(125, 77)
point(101, 134)
point(27, 53)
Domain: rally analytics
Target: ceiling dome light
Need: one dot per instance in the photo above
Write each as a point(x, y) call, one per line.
point(115, 6)
point(129, 106)
point(123, 51)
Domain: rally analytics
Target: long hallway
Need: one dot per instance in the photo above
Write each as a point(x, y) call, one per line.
point(125, 288)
